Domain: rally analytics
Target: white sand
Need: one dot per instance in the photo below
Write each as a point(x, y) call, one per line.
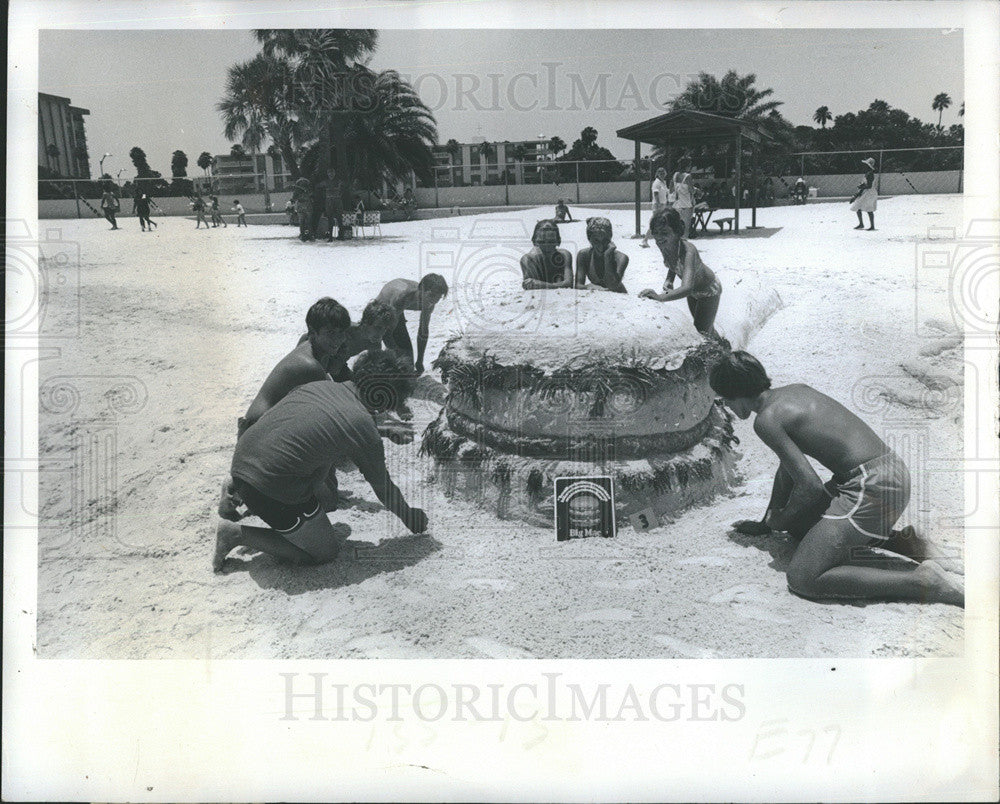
point(200, 317)
point(559, 330)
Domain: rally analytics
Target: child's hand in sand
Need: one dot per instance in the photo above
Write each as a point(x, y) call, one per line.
point(398, 432)
point(751, 527)
point(230, 502)
point(648, 293)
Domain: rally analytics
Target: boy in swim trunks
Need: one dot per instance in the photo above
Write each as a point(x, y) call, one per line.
point(600, 262)
point(699, 285)
point(295, 445)
point(423, 296)
point(869, 490)
point(320, 353)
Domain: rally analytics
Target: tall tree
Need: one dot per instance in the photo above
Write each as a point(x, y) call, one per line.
point(261, 102)
point(178, 164)
point(586, 149)
point(734, 96)
point(396, 136)
point(146, 179)
point(823, 116)
point(327, 87)
point(205, 161)
point(556, 145)
point(941, 102)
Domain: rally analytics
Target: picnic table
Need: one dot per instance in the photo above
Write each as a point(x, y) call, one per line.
point(702, 217)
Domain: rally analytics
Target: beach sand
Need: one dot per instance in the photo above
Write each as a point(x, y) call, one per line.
point(166, 336)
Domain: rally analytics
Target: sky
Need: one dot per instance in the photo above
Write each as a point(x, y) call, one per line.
point(158, 89)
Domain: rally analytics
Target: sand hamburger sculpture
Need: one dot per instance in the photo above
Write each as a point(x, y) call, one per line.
point(579, 382)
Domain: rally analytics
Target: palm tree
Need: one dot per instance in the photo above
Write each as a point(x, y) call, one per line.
point(394, 138)
point(879, 107)
point(556, 145)
point(588, 136)
point(178, 164)
point(261, 103)
point(823, 116)
point(327, 87)
point(941, 102)
point(205, 161)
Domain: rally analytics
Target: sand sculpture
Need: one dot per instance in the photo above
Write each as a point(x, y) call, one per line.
point(586, 382)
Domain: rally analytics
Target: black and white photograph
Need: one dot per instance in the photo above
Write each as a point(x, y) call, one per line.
point(603, 332)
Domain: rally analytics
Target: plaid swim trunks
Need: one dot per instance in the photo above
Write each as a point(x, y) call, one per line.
point(871, 497)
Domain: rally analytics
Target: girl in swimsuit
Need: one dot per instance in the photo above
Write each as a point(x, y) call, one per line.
point(699, 285)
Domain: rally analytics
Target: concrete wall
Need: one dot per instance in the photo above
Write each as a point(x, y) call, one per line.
point(529, 195)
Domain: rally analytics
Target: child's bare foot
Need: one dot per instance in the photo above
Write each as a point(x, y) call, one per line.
point(946, 588)
point(907, 542)
point(226, 538)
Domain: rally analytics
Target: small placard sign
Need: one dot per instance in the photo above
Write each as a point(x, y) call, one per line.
point(585, 506)
point(644, 520)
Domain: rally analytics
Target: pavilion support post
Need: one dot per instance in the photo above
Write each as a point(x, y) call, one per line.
point(753, 190)
point(638, 193)
point(738, 183)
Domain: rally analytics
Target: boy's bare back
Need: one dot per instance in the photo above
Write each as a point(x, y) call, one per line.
point(400, 294)
point(819, 426)
point(296, 368)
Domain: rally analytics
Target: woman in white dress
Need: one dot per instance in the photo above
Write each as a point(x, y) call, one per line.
point(866, 198)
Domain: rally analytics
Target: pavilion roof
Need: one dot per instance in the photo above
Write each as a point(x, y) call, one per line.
point(691, 127)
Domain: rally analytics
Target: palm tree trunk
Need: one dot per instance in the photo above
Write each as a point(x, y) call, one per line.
point(288, 157)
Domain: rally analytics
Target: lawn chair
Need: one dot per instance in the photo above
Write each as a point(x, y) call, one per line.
point(348, 220)
point(372, 218)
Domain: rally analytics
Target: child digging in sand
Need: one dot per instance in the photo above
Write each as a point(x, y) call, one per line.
point(856, 510)
point(294, 447)
point(699, 284)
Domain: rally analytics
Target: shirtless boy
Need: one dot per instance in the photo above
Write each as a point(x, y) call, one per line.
point(422, 296)
point(699, 285)
point(546, 265)
point(316, 356)
point(376, 320)
point(868, 492)
point(600, 262)
point(562, 213)
point(296, 444)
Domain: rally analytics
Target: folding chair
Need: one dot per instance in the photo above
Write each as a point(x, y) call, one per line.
point(373, 219)
point(349, 220)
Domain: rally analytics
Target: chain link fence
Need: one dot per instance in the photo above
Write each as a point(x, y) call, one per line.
point(532, 182)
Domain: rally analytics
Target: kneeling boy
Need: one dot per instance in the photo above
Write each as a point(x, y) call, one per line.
point(293, 448)
point(870, 489)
